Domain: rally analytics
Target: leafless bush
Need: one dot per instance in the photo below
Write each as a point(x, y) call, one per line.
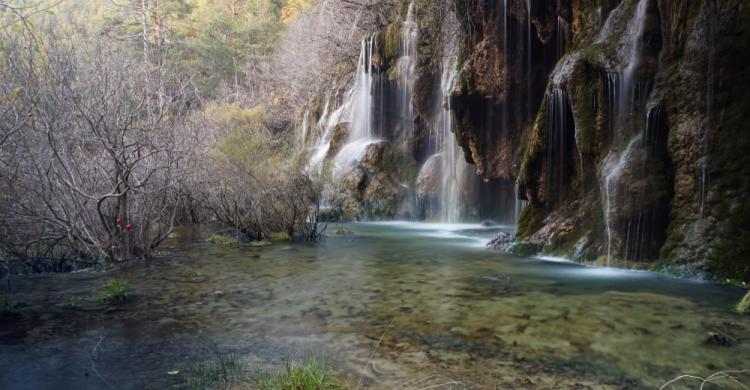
point(90, 171)
point(251, 180)
point(319, 46)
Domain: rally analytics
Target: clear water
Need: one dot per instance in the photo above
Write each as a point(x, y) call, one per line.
point(448, 311)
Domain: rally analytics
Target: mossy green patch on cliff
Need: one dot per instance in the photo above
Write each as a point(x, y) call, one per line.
point(391, 39)
point(523, 248)
point(530, 161)
point(529, 221)
point(585, 91)
point(564, 244)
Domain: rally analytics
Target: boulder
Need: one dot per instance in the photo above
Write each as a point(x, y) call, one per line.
point(429, 183)
point(501, 242)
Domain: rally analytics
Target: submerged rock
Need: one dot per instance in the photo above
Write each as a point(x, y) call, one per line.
point(717, 337)
point(428, 187)
point(372, 183)
point(502, 242)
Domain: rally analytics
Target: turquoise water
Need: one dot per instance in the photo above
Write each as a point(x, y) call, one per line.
point(448, 311)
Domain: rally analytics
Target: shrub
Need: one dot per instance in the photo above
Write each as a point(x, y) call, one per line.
point(189, 273)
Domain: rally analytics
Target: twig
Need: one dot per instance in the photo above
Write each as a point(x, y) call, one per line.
point(713, 378)
point(92, 358)
point(359, 383)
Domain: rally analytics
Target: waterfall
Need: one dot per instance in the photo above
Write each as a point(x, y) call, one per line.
point(454, 167)
point(303, 130)
point(560, 129)
point(626, 85)
point(561, 42)
point(626, 96)
point(612, 171)
point(362, 110)
point(520, 204)
point(328, 123)
point(405, 70)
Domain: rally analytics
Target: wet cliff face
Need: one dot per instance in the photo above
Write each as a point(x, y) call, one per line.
point(623, 129)
point(508, 50)
point(618, 124)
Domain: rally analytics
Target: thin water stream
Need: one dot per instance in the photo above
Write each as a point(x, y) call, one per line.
point(449, 310)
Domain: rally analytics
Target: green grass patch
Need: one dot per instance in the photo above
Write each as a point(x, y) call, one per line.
point(188, 272)
point(230, 372)
point(311, 375)
point(224, 371)
point(261, 243)
point(223, 239)
point(113, 291)
point(743, 307)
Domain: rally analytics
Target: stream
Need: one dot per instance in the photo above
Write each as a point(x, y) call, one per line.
point(448, 311)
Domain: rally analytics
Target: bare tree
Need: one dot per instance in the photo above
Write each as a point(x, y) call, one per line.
point(91, 173)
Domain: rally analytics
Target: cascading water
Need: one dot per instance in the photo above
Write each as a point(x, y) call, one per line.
point(361, 115)
point(612, 171)
point(361, 133)
point(560, 37)
point(405, 70)
point(455, 169)
point(303, 130)
point(626, 96)
point(520, 204)
point(328, 123)
point(560, 130)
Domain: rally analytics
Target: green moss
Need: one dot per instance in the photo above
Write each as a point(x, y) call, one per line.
point(743, 307)
point(391, 38)
point(223, 239)
point(408, 170)
point(583, 90)
point(564, 245)
point(529, 221)
point(523, 248)
point(113, 291)
point(529, 170)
